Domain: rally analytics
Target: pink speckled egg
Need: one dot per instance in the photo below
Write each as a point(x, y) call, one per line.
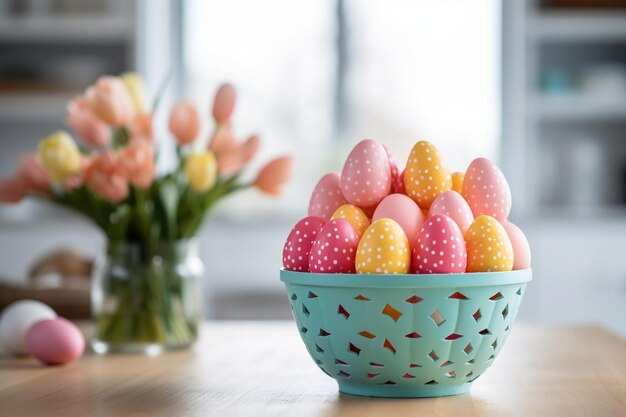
point(327, 197)
point(404, 211)
point(397, 187)
point(439, 247)
point(54, 341)
point(453, 205)
point(521, 248)
point(334, 249)
point(485, 189)
point(298, 245)
point(395, 172)
point(366, 175)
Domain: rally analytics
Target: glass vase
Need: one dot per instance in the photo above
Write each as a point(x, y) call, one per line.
point(146, 298)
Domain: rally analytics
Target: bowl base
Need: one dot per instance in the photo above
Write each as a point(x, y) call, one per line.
point(394, 391)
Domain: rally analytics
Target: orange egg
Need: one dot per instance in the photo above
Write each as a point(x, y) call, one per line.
point(427, 174)
point(383, 249)
point(488, 246)
point(457, 181)
point(354, 215)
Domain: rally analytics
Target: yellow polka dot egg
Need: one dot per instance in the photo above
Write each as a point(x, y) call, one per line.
point(383, 249)
point(354, 215)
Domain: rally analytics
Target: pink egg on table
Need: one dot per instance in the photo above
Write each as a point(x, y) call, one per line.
point(326, 197)
point(298, 245)
point(521, 248)
point(439, 247)
point(55, 341)
point(404, 211)
point(366, 175)
point(486, 190)
point(453, 205)
point(334, 250)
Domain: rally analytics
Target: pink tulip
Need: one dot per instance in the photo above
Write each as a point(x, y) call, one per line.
point(110, 101)
point(33, 176)
point(138, 160)
point(107, 177)
point(89, 128)
point(227, 151)
point(250, 148)
point(184, 122)
point(274, 175)
point(11, 190)
point(224, 103)
point(140, 128)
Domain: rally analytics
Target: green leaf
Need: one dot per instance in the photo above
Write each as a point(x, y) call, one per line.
point(168, 198)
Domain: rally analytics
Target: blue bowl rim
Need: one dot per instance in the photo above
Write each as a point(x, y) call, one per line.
point(468, 279)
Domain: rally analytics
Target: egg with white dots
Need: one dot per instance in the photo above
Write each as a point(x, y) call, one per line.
point(383, 249)
point(366, 174)
point(488, 246)
point(426, 175)
point(298, 245)
point(453, 205)
point(439, 247)
point(326, 197)
point(354, 215)
point(486, 190)
point(334, 248)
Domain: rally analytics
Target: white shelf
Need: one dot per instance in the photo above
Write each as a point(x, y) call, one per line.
point(27, 107)
point(70, 29)
point(584, 26)
point(572, 108)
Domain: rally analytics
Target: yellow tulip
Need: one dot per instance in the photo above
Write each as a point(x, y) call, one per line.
point(201, 170)
point(135, 87)
point(60, 155)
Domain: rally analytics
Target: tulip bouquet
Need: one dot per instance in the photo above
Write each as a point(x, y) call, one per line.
point(110, 176)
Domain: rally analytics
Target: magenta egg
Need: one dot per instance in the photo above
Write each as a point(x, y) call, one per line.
point(55, 341)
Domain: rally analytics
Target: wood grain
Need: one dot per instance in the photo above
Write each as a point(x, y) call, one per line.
point(262, 369)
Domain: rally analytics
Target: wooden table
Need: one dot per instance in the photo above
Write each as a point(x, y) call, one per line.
point(262, 369)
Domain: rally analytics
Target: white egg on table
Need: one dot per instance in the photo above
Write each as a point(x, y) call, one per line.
point(15, 321)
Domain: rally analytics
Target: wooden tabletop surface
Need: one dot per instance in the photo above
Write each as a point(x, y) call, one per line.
point(262, 369)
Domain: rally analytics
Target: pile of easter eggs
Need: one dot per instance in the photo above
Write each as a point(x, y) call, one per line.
point(375, 219)
point(29, 327)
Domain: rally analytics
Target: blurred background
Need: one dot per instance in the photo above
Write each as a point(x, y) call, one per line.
point(539, 86)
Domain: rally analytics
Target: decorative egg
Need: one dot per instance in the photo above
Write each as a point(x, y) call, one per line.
point(354, 216)
point(403, 211)
point(366, 175)
point(17, 318)
point(439, 247)
point(485, 189)
point(383, 249)
point(488, 246)
point(55, 341)
point(453, 205)
point(521, 248)
point(298, 245)
point(334, 249)
point(326, 197)
point(397, 186)
point(457, 181)
point(395, 172)
point(426, 175)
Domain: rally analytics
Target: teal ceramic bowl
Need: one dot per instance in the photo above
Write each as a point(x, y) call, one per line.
point(405, 335)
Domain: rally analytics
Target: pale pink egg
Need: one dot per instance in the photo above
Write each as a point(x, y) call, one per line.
point(521, 248)
point(334, 250)
point(404, 211)
point(298, 245)
point(486, 190)
point(54, 341)
point(453, 205)
point(327, 197)
point(366, 175)
point(439, 247)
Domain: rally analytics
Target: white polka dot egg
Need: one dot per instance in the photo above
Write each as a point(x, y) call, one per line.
point(488, 246)
point(383, 249)
point(426, 174)
point(354, 216)
point(366, 175)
